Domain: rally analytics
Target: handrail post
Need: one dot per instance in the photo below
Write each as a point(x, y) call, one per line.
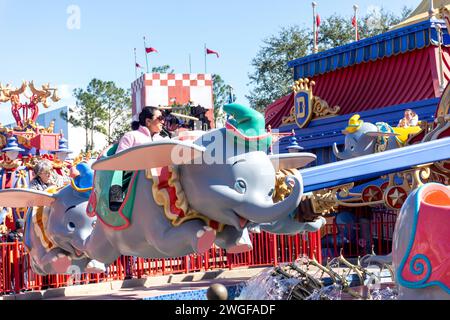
point(16, 267)
point(275, 249)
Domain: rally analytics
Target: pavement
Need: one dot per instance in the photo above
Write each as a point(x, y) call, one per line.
point(137, 289)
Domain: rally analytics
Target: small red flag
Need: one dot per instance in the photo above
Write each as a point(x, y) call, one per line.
point(317, 20)
point(148, 50)
point(354, 21)
point(209, 51)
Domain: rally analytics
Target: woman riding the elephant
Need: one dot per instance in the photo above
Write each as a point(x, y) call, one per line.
point(147, 129)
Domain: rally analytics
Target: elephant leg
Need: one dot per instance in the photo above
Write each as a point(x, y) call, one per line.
point(191, 236)
point(234, 240)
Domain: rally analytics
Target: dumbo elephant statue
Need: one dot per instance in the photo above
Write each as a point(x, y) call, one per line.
point(53, 223)
point(420, 250)
point(421, 244)
point(184, 196)
point(363, 138)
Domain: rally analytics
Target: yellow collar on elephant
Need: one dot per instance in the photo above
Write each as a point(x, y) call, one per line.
point(169, 194)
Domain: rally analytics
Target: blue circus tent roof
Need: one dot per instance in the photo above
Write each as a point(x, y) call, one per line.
point(391, 43)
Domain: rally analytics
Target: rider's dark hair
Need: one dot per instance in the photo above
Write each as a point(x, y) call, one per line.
point(146, 113)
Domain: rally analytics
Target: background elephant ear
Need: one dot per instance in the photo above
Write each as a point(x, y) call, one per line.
point(151, 155)
point(20, 198)
point(291, 160)
point(380, 134)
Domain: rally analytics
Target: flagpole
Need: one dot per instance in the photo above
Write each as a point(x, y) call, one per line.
point(135, 63)
point(314, 4)
point(205, 56)
point(190, 69)
point(146, 58)
point(355, 9)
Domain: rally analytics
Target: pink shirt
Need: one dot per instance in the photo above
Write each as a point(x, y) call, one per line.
point(136, 138)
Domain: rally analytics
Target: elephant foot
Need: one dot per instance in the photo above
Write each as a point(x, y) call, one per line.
point(205, 239)
point(95, 266)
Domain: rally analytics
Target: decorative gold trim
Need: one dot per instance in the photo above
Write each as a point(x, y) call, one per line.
point(282, 190)
point(320, 108)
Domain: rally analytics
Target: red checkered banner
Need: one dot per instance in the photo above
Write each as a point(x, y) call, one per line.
point(159, 89)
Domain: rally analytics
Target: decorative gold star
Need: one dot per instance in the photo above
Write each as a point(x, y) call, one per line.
point(371, 194)
point(397, 197)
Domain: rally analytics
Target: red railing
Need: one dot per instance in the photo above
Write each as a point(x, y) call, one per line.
point(268, 249)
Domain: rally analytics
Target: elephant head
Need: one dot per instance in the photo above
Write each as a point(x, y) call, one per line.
point(66, 221)
point(360, 138)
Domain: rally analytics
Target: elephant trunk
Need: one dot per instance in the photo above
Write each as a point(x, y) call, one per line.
point(343, 155)
point(269, 211)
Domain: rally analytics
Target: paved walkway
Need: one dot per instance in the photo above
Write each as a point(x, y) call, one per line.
point(137, 289)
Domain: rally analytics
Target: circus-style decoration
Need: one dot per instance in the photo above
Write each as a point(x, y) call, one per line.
point(307, 106)
point(28, 142)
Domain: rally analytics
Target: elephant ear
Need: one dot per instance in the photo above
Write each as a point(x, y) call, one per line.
point(20, 198)
point(291, 160)
point(380, 134)
point(151, 155)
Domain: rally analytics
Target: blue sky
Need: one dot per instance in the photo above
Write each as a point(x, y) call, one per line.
point(37, 44)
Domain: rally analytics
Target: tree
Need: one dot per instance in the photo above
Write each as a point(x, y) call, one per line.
point(338, 30)
point(117, 104)
point(101, 107)
point(272, 79)
point(221, 96)
point(163, 69)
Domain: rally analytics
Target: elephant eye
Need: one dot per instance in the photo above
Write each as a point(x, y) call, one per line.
point(240, 186)
point(71, 226)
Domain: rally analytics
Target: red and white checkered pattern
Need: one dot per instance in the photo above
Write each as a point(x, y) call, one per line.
point(157, 89)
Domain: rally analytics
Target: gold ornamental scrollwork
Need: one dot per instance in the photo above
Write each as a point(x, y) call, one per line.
point(320, 108)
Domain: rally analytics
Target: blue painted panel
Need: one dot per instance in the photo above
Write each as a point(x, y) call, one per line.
point(359, 56)
point(396, 46)
point(346, 58)
point(404, 43)
point(352, 57)
point(366, 54)
point(374, 51)
point(389, 47)
point(340, 60)
point(420, 39)
point(323, 66)
point(412, 41)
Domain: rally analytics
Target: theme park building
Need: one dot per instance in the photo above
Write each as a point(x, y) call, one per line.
point(377, 78)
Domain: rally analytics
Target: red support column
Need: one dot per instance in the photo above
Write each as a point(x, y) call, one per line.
point(16, 267)
point(275, 249)
point(318, 247)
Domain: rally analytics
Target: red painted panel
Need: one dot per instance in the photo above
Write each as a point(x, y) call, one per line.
point(390, 81)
